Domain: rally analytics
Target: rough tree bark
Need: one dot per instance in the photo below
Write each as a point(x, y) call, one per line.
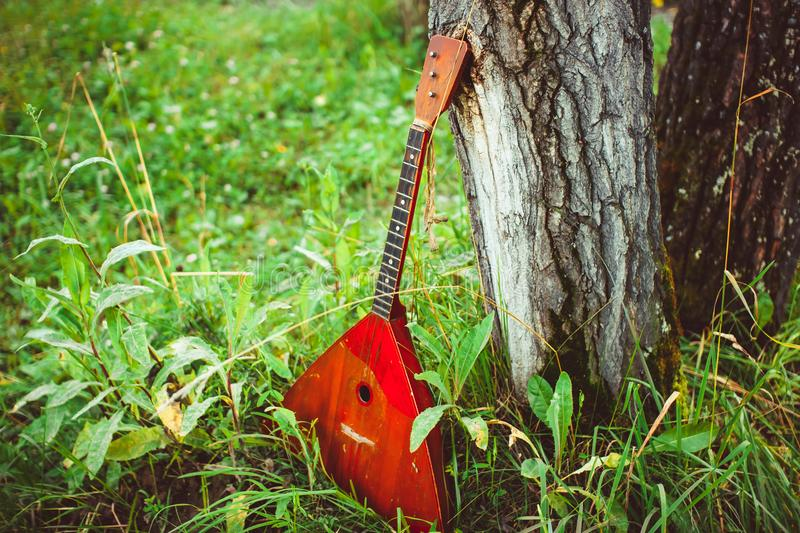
point(554, 135)
point(696, 115)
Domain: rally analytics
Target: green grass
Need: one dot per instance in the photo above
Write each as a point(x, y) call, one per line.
point(270, 134)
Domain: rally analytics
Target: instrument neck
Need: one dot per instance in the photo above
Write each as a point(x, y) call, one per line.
point(405, 199)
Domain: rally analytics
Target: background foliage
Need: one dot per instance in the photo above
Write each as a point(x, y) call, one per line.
point(269, 134)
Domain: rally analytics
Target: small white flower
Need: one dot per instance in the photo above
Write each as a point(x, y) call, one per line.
point(140, 167)
point(231, 64)
point(191, 258)
point(172, 109)
point(52, 127)
point(65, 162)
point(235, 144)
point(130, 45)
point(271, 115)
point(233, 80)
point(75, 156)
point(135, 63)
point(237, 220)
point(170, 129)
point(103, 188)
point(227, 187)
point(158, 33)
point(320, 100)
point(183, 62)
point(151, 126)
point(208, 124)
point(204, 95)
point(264, 154)
point(212, 112)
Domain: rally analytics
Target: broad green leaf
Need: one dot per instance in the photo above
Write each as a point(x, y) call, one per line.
point(57, 339)
point(424, 423)
point(96, 400)
point(469, 349)
point(243, 298)
point(73, 273)
point(137, 443)
point(134, 338)
point(236, 393)
point(76, 167)
point(126, 250)
point(540, 393)
point(116, 295)
point(102, 433)
point(277, 365)
point(692, 438)
point(60, 238)
point(35, 394)
point(430, 342)
point(533, 468)
point(67, 391)
point(186, 350)
point(343, 258)
point(192, 415)
point(766, 308)
point(433, 379)
point(81, 446)
point(478, 430)
point(286, 419)
point(559, 413)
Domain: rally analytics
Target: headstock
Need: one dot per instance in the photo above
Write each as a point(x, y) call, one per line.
point(443, 63)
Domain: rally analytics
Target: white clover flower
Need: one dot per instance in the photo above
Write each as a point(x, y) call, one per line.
point(170, 129)
point(172, 109)
point(320, 100)
point(158, 33)
point(52, 127)
point(130, 45)
point(183, 62)
point(135, 63)
point(75, 156)
point(151, 126)
point(212, 112)
point(233, 80)
point(191, 258)
point(231, 64)
point(227, 187)
point(208, 124)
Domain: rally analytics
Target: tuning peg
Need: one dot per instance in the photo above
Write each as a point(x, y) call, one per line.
point(432, 74)
point(431, 94)
point(433, 53)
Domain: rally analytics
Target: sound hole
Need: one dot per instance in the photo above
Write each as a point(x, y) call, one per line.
point(364, 394)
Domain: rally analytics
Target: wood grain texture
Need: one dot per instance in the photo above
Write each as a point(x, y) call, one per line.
point(554, 135)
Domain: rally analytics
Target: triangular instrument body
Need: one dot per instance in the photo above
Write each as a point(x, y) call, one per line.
point(363, 396)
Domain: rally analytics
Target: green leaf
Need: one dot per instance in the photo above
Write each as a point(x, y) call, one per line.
point(540, 393)
point(124, 251)
point(690, 439)
point(286, 419)
point(76, 167)
point(424, 423)
point(478, 430)
point(73, 273)
point(192, 415)
point(38, 140)
point(559, 413)
point(186, 350)
point(96, 400)
point(277, 365)
point(236, 513)
point(137, 443)
point(766, 308)
point(35, 394)
point(134, 338)
point(429, 341)
point(116, 295)
point(102, 433)
point(533, 468)
point(433, 379)
point(57, 339)
point(236, 393)
point(60, 238)
point(469, 349)
point(67, 391)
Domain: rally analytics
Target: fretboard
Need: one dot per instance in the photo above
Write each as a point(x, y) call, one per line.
point(394, 252)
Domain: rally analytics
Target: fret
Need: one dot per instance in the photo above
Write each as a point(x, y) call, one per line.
point(391, 268)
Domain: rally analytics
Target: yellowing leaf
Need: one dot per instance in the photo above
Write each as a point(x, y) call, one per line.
point(169, 412)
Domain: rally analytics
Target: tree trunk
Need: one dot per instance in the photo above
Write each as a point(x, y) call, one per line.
point(554, 135)
point(696, 116)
